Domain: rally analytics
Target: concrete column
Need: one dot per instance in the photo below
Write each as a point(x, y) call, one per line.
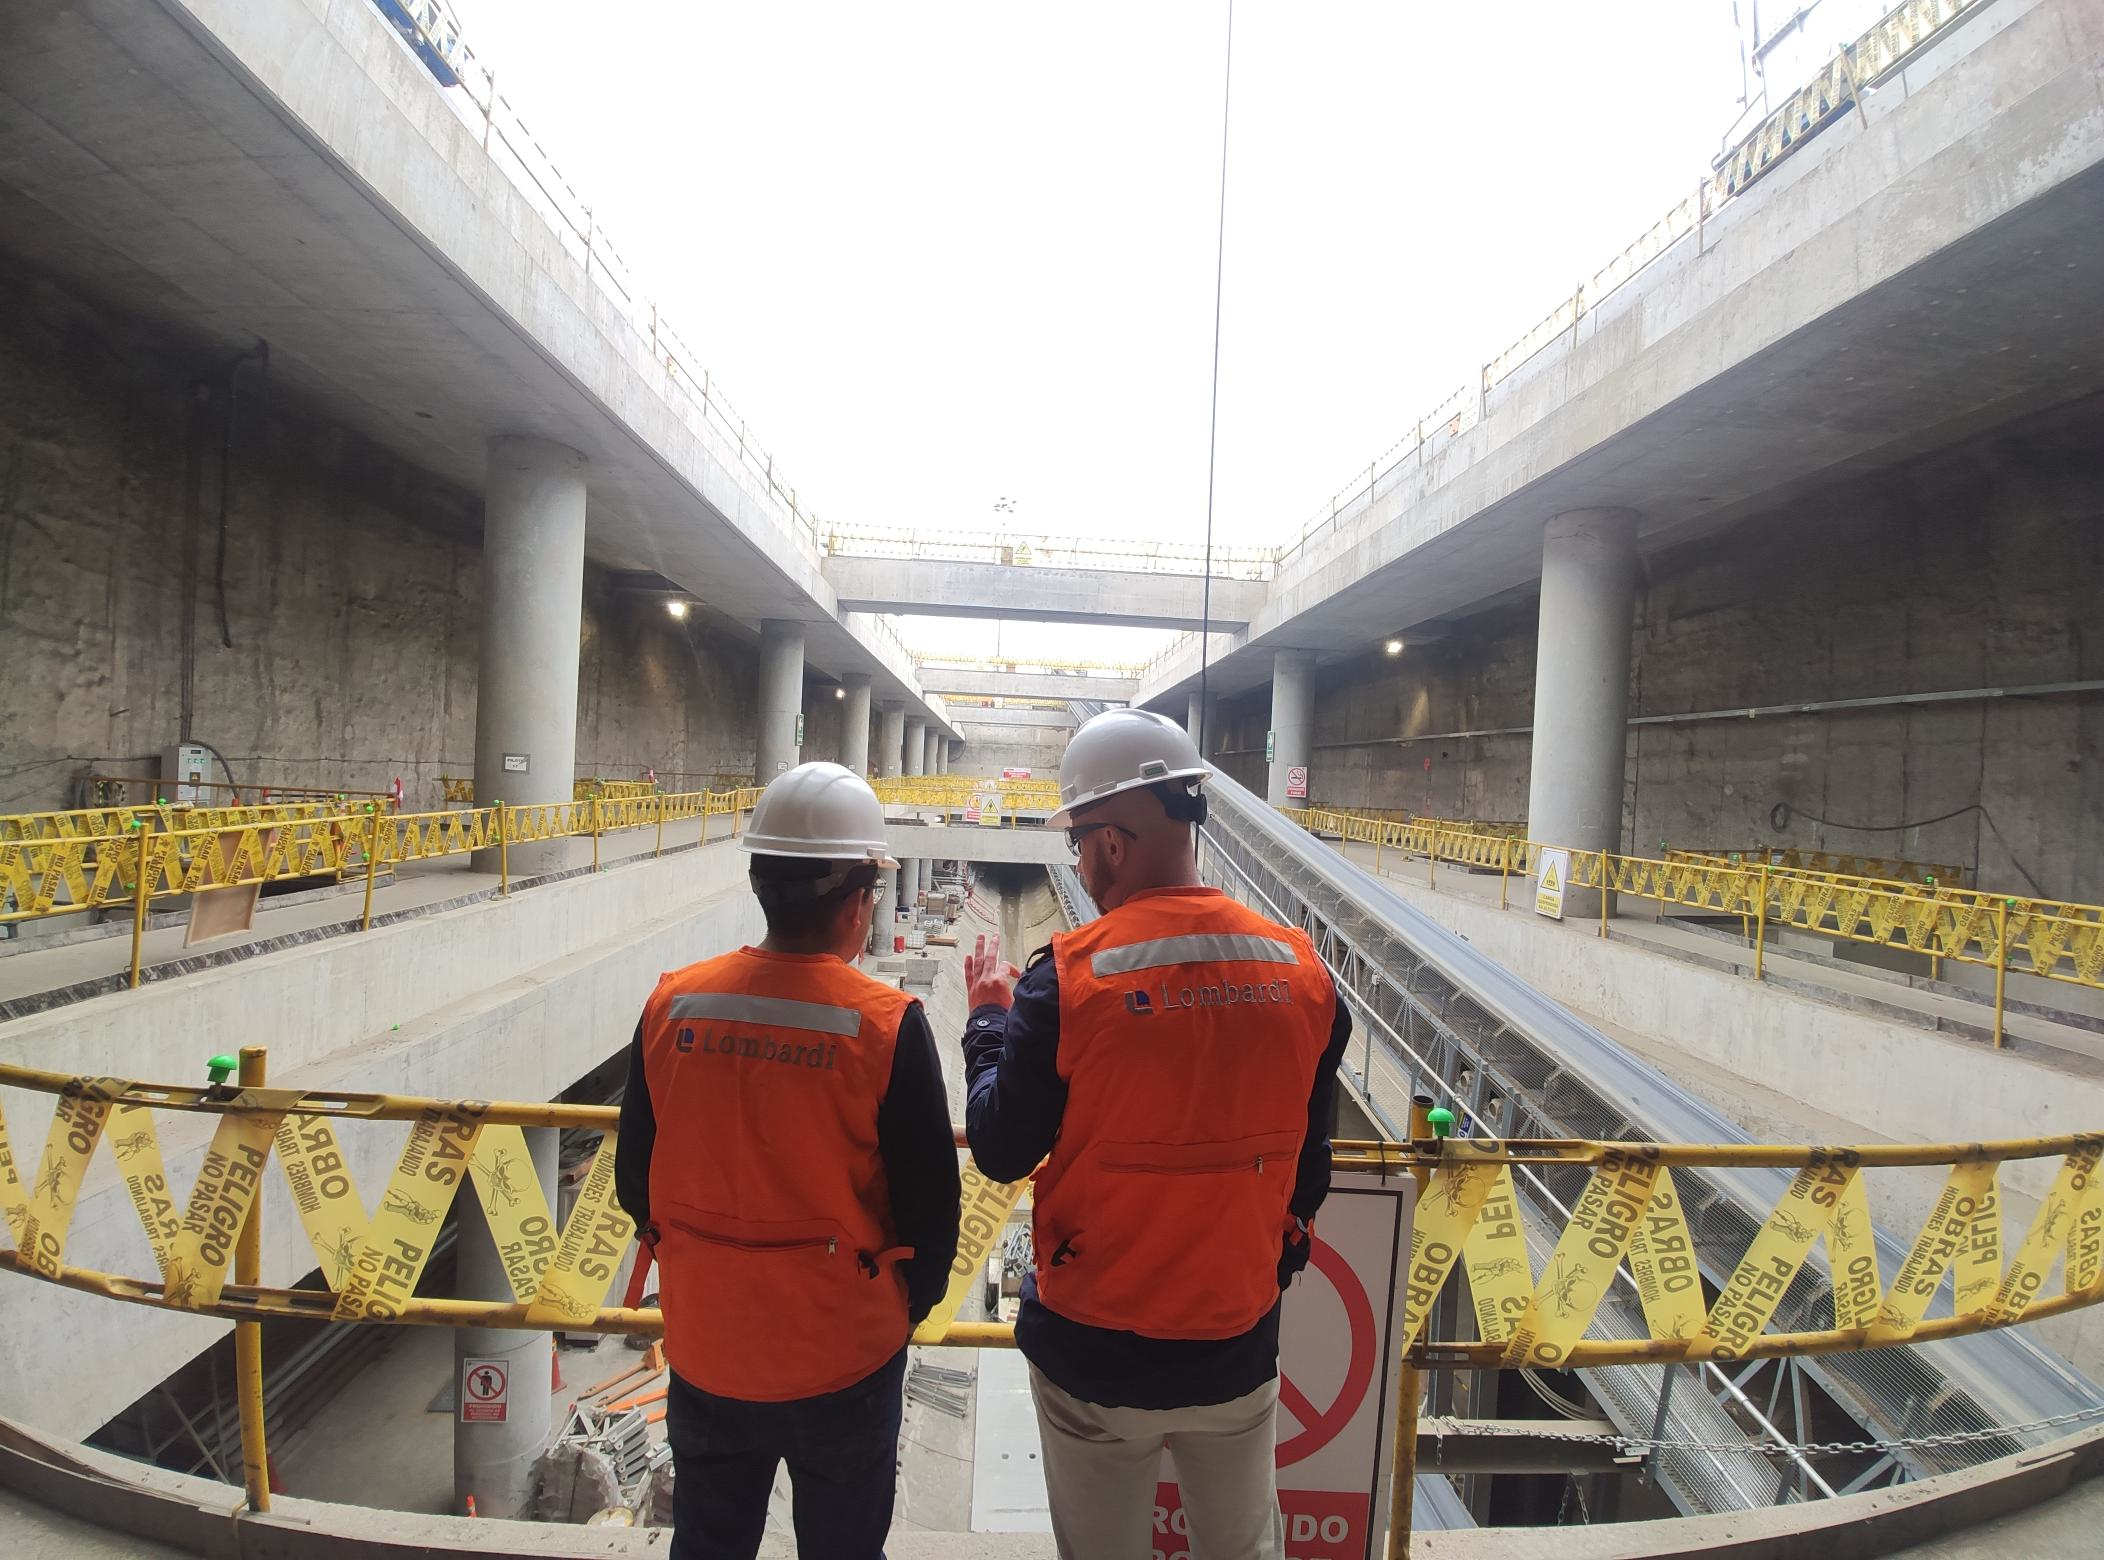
point(494, 1461)
point(1581, 685)
point(781, 699)
point(891, 741)
point(942, 754)
point(916, 754)
point(532, 593)
point(887, 911)
point(854, 723)
point(931, 753)
point(1292, 721)
point(1212, 721)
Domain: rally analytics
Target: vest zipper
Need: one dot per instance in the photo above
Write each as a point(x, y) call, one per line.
point(830, 1242)
point(1219, 1168)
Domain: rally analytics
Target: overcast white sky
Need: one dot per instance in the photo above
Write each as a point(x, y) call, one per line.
point(942, 254)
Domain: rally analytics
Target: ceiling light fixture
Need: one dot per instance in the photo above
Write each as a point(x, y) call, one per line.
point(1393, 647)
point(839, 693)
point(677, 608)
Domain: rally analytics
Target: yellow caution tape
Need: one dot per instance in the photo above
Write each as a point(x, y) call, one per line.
point(1976, 1271)
point(399, 1239)
point(1749, 1297)
point(226, 1189)
point(1662, 1261)
point(2052, 1228)
point(146, 1178)
point(576, 1282)
point(1445, 1214)
point(323, 1194)
point(12, 1202)
point(1586, 1256)
point(515, 1207)
point(983, 1208)
point(1948, 1226)
point(1852, 1257)
point(1500, 1280)
point(2085, 1239)
point(76, 1127)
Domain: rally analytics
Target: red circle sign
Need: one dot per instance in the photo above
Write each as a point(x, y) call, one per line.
point(1319, 1427)
point(486, 1383)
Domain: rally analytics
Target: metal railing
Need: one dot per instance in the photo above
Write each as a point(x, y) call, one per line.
point(1934, 915)
point(1038, 549)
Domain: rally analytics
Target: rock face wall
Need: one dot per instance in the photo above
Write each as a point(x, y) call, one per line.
point(180, 546)
point(1979, 568)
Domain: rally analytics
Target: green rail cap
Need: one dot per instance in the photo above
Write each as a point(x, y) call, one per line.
point(1442, 1121)
point(221, 1068)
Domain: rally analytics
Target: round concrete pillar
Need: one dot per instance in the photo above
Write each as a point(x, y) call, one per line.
point(1205, 732)
point(891, 741)
point(777, 749)
point(532, 593)
point(931, 753)
point(1581, 685)
point(854, 722)
point(1292, 722)
point(882, 923)
point(493, 1460)
point(916, 754)
point(942, 754)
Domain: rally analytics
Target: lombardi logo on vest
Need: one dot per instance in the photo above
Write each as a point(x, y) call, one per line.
point(1139, 1002)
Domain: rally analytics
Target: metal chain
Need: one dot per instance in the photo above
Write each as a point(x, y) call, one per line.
point(1647, 1445)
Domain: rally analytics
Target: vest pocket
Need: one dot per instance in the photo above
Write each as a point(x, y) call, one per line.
point(1265, 1153)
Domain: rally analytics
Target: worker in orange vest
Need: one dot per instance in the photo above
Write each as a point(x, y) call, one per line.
point(1173, 1064)
point(802, 1203)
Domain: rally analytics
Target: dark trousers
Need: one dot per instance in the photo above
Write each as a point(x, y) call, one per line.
point(842, 1451)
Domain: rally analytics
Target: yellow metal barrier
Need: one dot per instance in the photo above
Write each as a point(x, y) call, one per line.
point(91, 822)
point(2051, 939)
point(958, 793)
point(1888, 869)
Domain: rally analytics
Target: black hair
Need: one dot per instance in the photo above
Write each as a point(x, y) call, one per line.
point(796, 907)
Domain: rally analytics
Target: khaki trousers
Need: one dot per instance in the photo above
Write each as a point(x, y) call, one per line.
point(1102, 1465)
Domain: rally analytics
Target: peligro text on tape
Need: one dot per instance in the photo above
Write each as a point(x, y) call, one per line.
point(323, 1194)
point(515, 1207)
point(983, 1209)
point(1976, 1271)
point(404, 1227)
point(76, 1127)
point(1749, 1297)
point(1852, 1257)
point(138, 1152)
point(1445, 1213)
point(1586, 1256)
point(1950, 1222)
point(1495, 1255)
point(227, 1184)
point(13, 1203)
point(2085, 1238)
point(575, 1284)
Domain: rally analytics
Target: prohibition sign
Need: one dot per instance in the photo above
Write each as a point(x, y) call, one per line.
point(1319, 1427)
point(484, 1395)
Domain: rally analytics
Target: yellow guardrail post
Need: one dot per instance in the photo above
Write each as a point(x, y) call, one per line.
point(595, 833)
point(1504, 872)
point(1402, 1482)
point(372, 866)
point(2001, 965)
point(660, 804)
point(503, 850)
point(248, 1336)
point(142, 892)
point(1760, 925)
point(1606, 876)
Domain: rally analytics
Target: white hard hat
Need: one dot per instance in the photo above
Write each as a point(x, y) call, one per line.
point(1122, 750)
point(820, 812)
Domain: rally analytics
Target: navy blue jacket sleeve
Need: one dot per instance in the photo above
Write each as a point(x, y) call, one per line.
point(1311, 1180)
point(919, 1149)
point(1014, 1093)
point(638, 1138)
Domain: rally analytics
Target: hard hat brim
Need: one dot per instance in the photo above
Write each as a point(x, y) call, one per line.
point(1065, 816)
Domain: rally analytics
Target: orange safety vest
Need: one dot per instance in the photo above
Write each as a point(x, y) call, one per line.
point(1190, 1029)
point(777, 1257)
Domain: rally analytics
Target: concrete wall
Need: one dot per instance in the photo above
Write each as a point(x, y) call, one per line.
point(352, 586)
point(1979, 568)
point(990, 749)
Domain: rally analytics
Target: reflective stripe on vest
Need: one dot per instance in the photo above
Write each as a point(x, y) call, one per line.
point(776, 1251)
point(1190, 1030)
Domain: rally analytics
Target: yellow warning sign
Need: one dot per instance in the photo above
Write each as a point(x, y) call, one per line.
point(1756, 1286)
point(1662, 1261)
point(1500, 1281)
point(1555, 871)
point(12, 1202)
point(1949, 1225)
point(983, 1207)
point(1585, 1258)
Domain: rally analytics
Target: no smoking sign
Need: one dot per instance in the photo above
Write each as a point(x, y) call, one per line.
point(1340, 1342)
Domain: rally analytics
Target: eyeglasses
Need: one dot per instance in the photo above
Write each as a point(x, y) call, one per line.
point(1081, 831)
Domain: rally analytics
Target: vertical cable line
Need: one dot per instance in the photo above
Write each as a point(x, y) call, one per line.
point(1212, 438)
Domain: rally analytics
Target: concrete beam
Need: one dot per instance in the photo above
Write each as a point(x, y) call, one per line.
point(942, 587)
point(985, 683)
point(967, 717)
point(977, 842)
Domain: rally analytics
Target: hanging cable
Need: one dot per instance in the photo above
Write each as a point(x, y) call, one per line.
point(1212, 438)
